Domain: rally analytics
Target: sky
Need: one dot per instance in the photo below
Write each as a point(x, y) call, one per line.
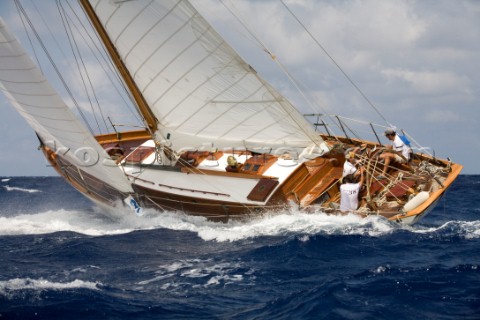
point(417, 62)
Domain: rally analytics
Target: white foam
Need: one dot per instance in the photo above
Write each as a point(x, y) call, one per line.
point(199, 273)
point(8, 188)
point(284, 223)
point(18, 284)
point(6, 179)
point(61, 220)
point(466, 229)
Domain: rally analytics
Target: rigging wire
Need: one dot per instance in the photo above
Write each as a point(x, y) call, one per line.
point(298, 86)
point(292, 115)
point(28, 35)
point(335, 63)
point(74, 47)
point(69, 25)
point(55, 67)
point(65, 21)
point(110, 70)
point(107, 67)
point(294, 81)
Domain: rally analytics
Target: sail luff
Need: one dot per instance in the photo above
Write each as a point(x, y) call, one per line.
point(36, 100)
point(125, 74)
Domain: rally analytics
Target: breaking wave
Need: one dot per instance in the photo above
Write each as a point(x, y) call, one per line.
point(281, 224)
point(464, 229)
point(8, 188)
point(14, 287)
point(42, 284)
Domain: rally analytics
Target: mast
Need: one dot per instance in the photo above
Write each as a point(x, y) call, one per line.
point(142, 104)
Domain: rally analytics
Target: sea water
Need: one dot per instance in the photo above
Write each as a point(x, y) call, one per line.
point(63, 258)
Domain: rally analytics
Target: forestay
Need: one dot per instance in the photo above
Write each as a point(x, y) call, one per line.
point(198, 87)
point(36, 100)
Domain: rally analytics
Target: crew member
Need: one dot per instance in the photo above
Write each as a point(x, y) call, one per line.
point(349, 191)
point(398, 152)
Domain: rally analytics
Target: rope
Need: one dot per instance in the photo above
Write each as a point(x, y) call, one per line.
point(392, 181)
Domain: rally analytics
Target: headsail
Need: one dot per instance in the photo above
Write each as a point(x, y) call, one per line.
point(35, 99)
point(198, 87)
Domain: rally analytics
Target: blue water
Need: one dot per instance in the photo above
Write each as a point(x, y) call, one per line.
point(63, 258)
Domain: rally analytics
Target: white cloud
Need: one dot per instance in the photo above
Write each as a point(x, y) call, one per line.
point(440, 117)
point(428, 82)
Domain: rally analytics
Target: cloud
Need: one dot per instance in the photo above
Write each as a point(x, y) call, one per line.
point(428, 82)
point(440, 117)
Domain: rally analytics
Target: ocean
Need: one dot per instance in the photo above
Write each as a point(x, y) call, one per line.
point(63, 258)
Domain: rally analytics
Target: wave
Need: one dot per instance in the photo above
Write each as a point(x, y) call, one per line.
point(286, 223)
point(6, 179)
point(8, 188)
point(294, 223)
point(62, 220)
point(10, 287)
point(465, 229)
point(123, 221)
point(199, 273)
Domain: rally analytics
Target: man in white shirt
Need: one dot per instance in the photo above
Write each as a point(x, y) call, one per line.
point(400, 155)
point(349, 165)
point(349, 192)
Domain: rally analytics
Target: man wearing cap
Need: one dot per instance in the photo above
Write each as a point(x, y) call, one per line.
point(400, 155)
point(349, 167)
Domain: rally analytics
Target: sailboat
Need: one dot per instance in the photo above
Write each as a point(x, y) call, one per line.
point(217, 141)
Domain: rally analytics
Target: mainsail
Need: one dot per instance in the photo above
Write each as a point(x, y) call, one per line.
point(56, 125)
point(200, 90)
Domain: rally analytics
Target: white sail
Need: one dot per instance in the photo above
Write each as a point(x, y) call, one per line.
point(34, 98)
point(198, 87)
